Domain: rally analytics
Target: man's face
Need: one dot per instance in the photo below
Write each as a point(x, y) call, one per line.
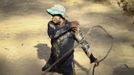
point(56, 19)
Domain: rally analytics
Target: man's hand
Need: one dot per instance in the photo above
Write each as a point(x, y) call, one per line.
point(74, 25)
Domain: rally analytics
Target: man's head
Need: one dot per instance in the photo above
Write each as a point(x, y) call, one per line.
point(57, 12)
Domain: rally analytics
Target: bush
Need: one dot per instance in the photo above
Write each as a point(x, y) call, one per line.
point(127, 6)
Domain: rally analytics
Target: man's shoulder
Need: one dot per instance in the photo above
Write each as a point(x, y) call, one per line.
point(50, 22)
point(51, 25)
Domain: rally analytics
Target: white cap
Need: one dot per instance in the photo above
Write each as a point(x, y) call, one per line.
point(57, 9)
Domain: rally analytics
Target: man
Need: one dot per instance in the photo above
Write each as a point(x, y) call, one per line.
point(63, 34)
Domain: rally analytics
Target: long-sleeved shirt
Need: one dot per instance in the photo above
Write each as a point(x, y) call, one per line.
point(62, 40)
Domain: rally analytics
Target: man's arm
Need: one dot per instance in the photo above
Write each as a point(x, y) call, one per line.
point(83, 43)
point(79, 36)
point(80, 39)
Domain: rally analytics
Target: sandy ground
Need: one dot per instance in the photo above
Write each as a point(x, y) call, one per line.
point(24, 26)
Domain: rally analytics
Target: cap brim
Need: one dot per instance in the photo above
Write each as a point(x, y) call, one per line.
point(54, 12)
point(49, 11)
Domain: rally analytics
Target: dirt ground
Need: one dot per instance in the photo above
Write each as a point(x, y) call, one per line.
point(23, 25)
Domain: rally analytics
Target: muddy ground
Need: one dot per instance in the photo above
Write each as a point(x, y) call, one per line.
point(23, 25)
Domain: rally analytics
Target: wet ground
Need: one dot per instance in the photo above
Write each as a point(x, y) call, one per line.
point(23, 25)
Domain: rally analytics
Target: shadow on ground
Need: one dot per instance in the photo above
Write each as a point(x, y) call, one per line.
point(43, 52)
point(123, 71)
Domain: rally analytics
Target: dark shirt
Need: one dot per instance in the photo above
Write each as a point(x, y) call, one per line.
point(62, 40)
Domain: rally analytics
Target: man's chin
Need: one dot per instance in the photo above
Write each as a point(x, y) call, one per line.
point(56, 23)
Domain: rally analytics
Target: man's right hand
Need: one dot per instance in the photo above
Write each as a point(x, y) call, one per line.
point(74, 26)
